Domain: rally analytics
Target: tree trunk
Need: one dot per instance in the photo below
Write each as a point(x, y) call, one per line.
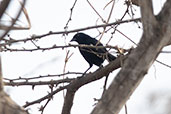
point(156, 35)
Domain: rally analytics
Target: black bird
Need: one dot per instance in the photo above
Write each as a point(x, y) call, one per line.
point(93, 55)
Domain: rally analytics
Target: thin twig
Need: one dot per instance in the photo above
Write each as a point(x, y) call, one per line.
point(45, 97)
point(43, 107)
point(107, 4)
point(13, 22)
point(126, 110)
point(35, 37)
point(126, 37)
point(96, 12)
point(106, 22)
point(71, 11)
point(55, 47)
point(163, 64)
point(26, 83)
point(42, 76)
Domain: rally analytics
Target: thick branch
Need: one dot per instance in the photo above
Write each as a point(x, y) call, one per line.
point(7, 105)
point(164, 18)
point(3, 7)
point(137, 64)
point(148, 18)
point(76, 84)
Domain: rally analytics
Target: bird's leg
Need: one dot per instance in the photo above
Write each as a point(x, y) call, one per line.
point(100, 67)
point(105, 83)
point(104, 87)
point(87, 70)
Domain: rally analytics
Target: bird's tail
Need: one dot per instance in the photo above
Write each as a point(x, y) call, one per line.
point(110, 57)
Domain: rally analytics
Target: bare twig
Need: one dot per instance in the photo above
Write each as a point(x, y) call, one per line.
point(26, 83)
point(107, 4)
point(79, 82)
point(163, 64)
point(168, 52)
point(56, 47)
point(71, 11)
point(42, 76)
point(103, 20)
point(34, 37)
point(126, 110)
point(114, 27)
point(13, 22)
point(45, 97)
point(65, 63)
point(126, 36)
point(43, 107)
point(106, 22)
point(17, 26)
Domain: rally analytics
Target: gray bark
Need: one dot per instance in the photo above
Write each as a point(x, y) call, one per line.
point(7, 105)
point(156, 35)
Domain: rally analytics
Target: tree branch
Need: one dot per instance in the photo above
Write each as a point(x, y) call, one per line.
point(35, 37)
point(13, 22)
point(7, 105)
point(52, 82)
point(3, 6)
point(137, 64)
point(148, 18)
point(79, 82)
point(49, 96)
point(164, 18)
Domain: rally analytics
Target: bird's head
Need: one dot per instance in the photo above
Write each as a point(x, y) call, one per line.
point(79, 38)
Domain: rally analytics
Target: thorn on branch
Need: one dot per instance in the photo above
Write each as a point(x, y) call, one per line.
point(33, 87)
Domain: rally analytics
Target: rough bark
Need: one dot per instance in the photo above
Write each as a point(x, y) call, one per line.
point(7, 105)
point(156, 35)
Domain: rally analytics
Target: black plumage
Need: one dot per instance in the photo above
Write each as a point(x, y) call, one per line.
point(93, 55)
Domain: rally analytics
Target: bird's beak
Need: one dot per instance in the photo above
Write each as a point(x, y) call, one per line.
point(73, 39)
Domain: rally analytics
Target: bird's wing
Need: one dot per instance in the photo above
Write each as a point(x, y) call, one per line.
point(93, 41)
point(97, 51)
